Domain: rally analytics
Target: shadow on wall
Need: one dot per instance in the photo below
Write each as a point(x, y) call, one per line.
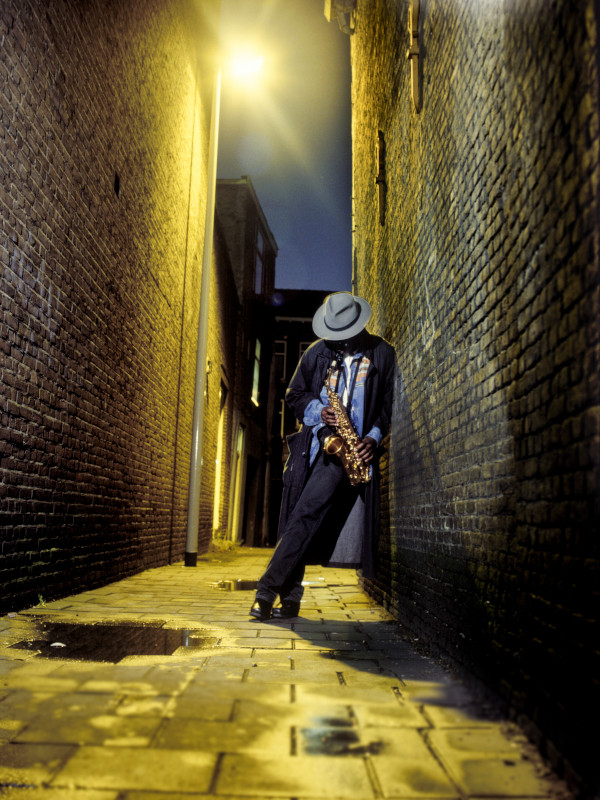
point(440, 554)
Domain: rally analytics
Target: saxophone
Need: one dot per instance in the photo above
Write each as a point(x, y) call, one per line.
point(344, 440)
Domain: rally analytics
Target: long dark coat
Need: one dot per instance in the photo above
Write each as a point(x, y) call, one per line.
point(306, 385)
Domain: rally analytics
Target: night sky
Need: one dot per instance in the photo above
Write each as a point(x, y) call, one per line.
point(290, 132)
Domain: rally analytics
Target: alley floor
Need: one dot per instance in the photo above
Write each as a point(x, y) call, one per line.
point(161, 686)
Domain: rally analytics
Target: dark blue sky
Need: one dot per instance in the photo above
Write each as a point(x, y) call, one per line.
point(290, 132)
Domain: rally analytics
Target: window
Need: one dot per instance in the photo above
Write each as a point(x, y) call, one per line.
point(256, 376)
point(259, 263)
point(280, 358)
point(282, 419)
point(219, 463)
point(302, 348)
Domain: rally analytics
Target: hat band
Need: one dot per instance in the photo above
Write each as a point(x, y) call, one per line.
point(344, 327)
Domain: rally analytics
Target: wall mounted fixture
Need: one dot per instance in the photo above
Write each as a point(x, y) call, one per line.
point(380, 177)
point(413, 52)
point(345, 13)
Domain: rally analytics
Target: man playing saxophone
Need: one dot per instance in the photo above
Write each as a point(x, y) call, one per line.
point(342, 392)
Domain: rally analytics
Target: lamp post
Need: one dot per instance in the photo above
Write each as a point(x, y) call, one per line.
point(246, 66)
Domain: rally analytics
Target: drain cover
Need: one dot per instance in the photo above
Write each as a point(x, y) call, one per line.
point(110, 643)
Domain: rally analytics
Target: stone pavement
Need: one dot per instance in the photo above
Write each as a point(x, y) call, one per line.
point(335, 704)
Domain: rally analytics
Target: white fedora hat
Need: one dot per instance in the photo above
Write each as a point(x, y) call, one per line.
point(341, 316)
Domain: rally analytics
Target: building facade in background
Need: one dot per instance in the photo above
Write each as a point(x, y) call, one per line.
point(475, 185)
point(252, 251)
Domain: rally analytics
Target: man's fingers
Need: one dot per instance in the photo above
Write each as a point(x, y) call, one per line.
point(328, 415)
point(365, 450)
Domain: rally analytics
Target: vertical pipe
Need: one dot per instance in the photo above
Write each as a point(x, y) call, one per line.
point(191, 545)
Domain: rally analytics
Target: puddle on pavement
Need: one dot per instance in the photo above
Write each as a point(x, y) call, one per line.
point(337, 741)
point(110, 643)
point(236, 586)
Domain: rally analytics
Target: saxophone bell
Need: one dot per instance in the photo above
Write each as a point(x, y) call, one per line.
point(333, 445)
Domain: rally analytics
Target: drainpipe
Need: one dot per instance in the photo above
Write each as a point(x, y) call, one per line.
point(191, 546)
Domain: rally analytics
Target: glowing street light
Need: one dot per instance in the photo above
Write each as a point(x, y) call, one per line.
point(245, 65)
point(242, 66)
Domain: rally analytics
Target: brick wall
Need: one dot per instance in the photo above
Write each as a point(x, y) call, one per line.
point(484, 275)
point(103, 147)
point(221, 380)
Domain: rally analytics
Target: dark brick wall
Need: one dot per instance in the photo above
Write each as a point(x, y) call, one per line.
point(103, 144)
point(484, 275)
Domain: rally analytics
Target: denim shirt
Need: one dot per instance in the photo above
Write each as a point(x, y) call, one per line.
point(312, 412)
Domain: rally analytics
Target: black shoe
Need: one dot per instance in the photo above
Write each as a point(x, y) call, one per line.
point(287, 610)
point(261, 609)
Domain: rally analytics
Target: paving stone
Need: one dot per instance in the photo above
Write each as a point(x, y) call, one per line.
point(43, 683)
point(269, 642)
point(198, 691)
point(405, 768)
point(37, 668)
point(490, 777)
point(140, 706)
point(23, 793)
point(101, 729)
point(311, 693)
point(388, 716)
point(247, 711)
point(369, 676)
point(435, 693)
point(253, 736)
point(294, 776)
point(487, 761)
point(451, 717)
point(31, 763)
point(334, 646)
point(73, 704)
point(186, 796)
point(131, 768)
point(201, 708)
point(25, 705)
point(169, 680)
point(269, 674)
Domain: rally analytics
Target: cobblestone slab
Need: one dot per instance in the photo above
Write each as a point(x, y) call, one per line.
point(128, 768)
point(291, 776)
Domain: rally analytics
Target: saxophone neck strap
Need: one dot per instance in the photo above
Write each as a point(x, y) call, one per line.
point(337, 368)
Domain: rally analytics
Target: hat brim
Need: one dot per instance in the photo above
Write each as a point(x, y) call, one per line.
point(322, 331)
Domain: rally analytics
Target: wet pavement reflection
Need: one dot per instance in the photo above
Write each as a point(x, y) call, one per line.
point(109, 643)
point(236, 585)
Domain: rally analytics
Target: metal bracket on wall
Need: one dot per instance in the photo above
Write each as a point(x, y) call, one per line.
point(344, 11)
point(380, 177)
point(413, 52)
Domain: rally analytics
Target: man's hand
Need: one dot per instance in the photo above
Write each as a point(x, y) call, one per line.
point(328, 416)
point(366, 449)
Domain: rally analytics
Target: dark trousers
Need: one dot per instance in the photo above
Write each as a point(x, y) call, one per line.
point(326, 488)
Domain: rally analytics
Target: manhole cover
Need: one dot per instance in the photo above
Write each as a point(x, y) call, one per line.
point(110, 643)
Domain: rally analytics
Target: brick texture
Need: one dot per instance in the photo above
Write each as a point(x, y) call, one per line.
point(104, 111)
point(484, 275)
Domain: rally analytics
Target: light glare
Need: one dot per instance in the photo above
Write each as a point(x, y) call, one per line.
point(245, 65)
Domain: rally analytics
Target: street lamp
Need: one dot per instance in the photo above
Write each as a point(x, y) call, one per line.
point(240, 67)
